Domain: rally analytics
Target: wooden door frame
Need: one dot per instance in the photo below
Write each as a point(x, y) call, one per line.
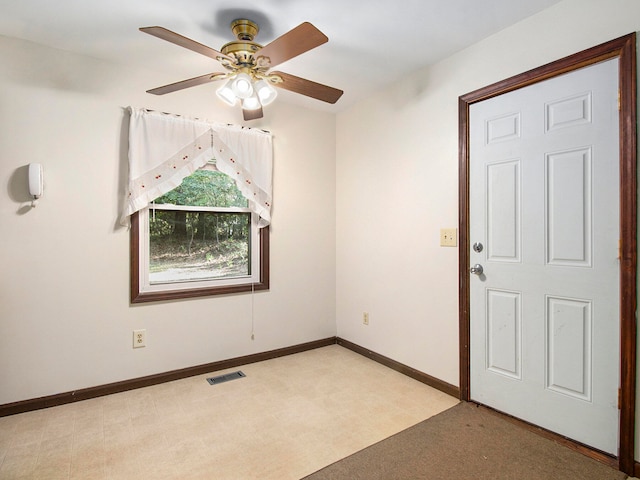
point(623, 48)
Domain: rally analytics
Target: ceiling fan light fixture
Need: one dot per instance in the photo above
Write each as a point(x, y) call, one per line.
point(225, 93)
point(242, 86)
point(266, 93)
point(249, 77)
point(251, 103)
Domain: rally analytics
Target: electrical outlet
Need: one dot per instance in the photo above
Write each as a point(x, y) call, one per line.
point(139, 338)
point(365, 318)
point(448, 237)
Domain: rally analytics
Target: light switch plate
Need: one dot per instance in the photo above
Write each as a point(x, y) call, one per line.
point(448, 237)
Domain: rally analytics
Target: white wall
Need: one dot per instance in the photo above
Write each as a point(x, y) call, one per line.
point(397, 174)
point(65, 318)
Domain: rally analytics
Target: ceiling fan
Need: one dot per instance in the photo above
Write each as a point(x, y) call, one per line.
point(249, 76)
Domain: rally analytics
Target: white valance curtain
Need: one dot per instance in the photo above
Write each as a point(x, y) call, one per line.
point(165, 148)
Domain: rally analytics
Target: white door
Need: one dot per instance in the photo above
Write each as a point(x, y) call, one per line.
point(544, 218)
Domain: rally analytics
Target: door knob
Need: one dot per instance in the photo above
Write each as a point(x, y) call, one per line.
point(476, 269)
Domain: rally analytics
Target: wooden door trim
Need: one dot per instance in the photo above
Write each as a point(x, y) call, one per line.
point(623, 48)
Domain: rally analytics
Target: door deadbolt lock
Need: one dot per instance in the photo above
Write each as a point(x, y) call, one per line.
point(477, 247)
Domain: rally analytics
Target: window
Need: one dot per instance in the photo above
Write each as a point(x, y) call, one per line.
point(198, 239)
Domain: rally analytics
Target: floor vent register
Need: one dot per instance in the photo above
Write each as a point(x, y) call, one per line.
point(225, 378)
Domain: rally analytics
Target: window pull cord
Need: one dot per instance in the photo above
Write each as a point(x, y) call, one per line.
point(253, 333)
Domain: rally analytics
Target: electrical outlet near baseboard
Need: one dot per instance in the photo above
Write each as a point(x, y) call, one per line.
point(139, 338)
point(365, 318)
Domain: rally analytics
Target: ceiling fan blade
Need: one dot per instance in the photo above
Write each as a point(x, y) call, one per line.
point(299, 40)
point(252, 114)
point(185, 42)
point(307, 87)
point(192, 82)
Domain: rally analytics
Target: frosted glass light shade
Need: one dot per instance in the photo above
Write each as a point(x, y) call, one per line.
point(225, 93)
point(251, 103)
point(242, 85)
point(266, 93)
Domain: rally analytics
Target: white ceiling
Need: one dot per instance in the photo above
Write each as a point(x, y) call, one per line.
point(371, 42)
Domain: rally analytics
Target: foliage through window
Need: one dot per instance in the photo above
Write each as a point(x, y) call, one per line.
point(198, 239)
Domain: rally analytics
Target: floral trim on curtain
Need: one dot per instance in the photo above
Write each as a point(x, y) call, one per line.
point(164, 149)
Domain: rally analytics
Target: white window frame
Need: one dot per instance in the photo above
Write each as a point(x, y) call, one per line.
point(142, 290)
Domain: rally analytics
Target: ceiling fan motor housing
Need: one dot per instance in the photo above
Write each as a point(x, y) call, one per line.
point(244, 48)
point(243, 51)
